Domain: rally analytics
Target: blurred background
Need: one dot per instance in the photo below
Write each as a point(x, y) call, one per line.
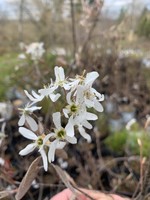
point(111, 37)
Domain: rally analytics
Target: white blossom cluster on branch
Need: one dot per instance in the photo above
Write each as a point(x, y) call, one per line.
point(80, 96)
point(34, 50)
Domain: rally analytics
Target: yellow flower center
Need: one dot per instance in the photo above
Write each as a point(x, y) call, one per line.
point(73, 108)
point(61, 134)
point(39, 141)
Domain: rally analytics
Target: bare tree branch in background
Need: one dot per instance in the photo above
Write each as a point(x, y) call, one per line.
point(94, 13)
point(21, 7)
point(73, 30)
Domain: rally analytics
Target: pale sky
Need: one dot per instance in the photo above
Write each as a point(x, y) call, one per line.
point(111, 7)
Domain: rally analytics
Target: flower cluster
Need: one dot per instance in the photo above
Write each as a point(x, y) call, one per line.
point(80, 96)
point(34, 50)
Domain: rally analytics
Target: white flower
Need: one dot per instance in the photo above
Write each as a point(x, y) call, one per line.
point(26, 112)
point(34, 97)
point(61, 133)
point(60, 81)
point(49, 92)
point(38, 142)
point(22, 56)
point(92, 98)
point(35, 50)
point(84, 123)
point(61, 136)
point(80, 126)
point(78, 114)
point(84, 80)
point(76, 109)
point(60, 78)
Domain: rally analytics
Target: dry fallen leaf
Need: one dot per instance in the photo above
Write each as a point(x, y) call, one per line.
point(28, 178)
point(6, 194)
point(65, 178)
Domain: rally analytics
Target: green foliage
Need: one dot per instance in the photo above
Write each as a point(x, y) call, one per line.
point(19, 73)
point(117, 141)
point(7, 69)
point(132, 143)
point(143, 28)
point(124, 140)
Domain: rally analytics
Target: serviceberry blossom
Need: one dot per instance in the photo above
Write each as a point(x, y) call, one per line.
point(60, 78)
point(38, 142)
point(83, 80)
point(77, 113)
point(35, 50)
point(35, 98)
point(25, 117)
point(50, 92)
point(80, 96)
point(76, 108)
point(92, 98)
point(60, 81)
point(60, 134)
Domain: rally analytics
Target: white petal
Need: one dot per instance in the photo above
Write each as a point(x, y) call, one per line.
point(35, 94)
point(91, 116)
point(66, 112)
point(74, 84)
point(29, 96)
point(97, 94)
point(87, 125)
point(33, 108)
point(80, 95)
point(98, 106)
point(57, 120)
point(67, 86)
point(91, 77)
point(28, 149)
point(21, 120)
point(102, 97)
point(56, 72)
point(54, 97)
point(81, 115)
point(27, 133)
point(59, 73)
point(44, 158)
point(70, 127)
point(32, 123)
point(89, 103)
point(47, 137)
point(84, 134)
point(72, 140)
point(68, 98)
point(51, 152)
point(46, 91)
point(60, 145)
